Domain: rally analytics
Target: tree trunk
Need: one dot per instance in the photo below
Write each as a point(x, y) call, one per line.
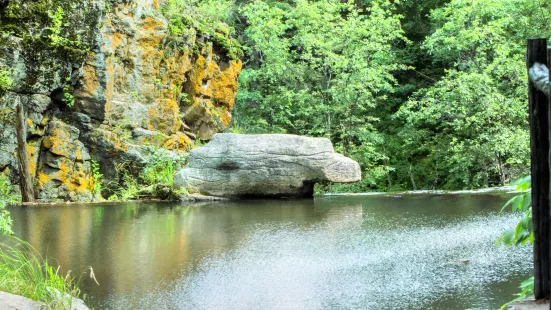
point(26, 180)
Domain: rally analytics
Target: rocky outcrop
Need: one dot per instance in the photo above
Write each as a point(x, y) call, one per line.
point(273, 165)
point(104, 80)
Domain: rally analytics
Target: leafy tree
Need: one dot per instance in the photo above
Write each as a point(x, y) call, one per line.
point(320, 68)
point(469, 129)
point(523, 232)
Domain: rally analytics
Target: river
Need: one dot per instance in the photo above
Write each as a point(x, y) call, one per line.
point(331, 252)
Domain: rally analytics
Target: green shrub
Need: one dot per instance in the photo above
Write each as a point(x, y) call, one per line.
point(523, 232)
point(209, 19)
point(55, 30)
point(68, 98)
point(161, 168)
point(98, 177)
point(5, 198)
point(5, 80)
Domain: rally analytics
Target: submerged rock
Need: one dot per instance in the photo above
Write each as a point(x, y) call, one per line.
point(272, 165)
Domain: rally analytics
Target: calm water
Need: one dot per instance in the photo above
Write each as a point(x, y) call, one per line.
point(362, 252)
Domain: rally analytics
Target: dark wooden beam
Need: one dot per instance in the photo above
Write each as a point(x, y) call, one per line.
point(539, 154)
point(26, 180)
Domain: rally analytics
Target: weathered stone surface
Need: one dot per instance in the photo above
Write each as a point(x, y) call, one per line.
point(234, 165)
point(529, 304)
point(148, 137)
point(15, 302)
point(133, 85)
point(211, 87)
point(64, 170)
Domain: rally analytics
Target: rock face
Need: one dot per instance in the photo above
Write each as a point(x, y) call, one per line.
point(15, 302)
point(271, 165)
point(104, 80)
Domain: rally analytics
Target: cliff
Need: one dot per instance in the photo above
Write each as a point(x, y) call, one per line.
point(105, 80)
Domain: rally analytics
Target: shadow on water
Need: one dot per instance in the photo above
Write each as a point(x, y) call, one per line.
point(359, 252)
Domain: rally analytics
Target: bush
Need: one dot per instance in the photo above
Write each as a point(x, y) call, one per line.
point(5, 198)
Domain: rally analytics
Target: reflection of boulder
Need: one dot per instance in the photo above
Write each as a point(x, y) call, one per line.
point(233, 165)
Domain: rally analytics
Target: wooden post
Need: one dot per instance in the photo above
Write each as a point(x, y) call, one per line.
point(539, 154)
point(26, 180)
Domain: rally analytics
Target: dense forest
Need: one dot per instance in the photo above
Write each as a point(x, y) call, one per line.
point(423, 94)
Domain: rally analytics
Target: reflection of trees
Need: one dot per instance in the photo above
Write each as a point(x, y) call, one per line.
point(137, 244)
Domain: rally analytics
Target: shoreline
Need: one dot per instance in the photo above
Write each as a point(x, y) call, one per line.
point(489, 190)
point(195, 198)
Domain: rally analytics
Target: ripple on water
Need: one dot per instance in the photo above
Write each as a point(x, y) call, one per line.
point(344, 265)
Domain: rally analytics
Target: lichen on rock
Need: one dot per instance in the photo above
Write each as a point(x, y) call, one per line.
point(134, 84)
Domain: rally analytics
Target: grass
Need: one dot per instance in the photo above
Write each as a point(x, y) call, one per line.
point(160, 168)
point(24, 272)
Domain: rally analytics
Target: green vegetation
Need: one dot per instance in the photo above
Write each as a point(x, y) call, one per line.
point(523, 232)
point(5, 80)
point(68, 98)
point(160, 168)
point(158, 172)
point(195, 23)
point(6, 197)
point(23, 271)
point(423, 94)
point(98, 177)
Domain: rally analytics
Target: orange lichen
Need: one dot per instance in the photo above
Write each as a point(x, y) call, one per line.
point(178, 141)
point(163, 116)
point(224, 83)
point(65, 167)
point(33, 154)
point(42, 179)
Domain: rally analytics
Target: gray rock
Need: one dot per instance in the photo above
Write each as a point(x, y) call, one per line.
point(200, 198)
point(148, 137)
point(272, 165)
point(14, 302)
point(66, 301)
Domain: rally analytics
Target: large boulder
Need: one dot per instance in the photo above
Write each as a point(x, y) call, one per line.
point(270, 165)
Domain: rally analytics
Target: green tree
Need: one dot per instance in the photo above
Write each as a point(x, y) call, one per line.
point(469, 129)
point(320, 68)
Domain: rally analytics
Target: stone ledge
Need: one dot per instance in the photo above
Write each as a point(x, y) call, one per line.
point(529, 304)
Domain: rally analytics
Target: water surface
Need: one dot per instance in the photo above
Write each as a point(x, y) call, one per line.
point(358, 252)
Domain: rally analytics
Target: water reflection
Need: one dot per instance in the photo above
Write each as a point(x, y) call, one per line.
point(333, 252)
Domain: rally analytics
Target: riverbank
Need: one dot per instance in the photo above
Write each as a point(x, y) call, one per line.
point(529, 304)
point(503, 189)
point(192, 198)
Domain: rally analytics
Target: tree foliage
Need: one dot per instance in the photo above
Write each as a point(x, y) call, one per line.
point(423, 94)
point(470, 127)
point(320, 68)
